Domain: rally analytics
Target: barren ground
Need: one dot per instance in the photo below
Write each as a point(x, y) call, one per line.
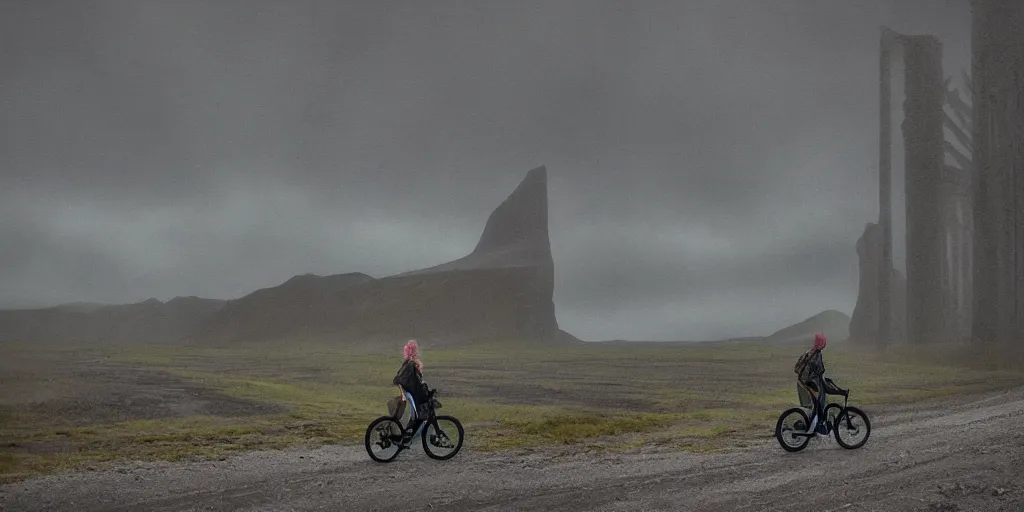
point(941, 455)
point(602, 427)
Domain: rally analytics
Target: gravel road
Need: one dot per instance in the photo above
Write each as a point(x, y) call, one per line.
point(965, 455)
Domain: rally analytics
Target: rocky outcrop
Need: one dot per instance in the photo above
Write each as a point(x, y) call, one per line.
point(508, 279)
point(516, 233)
point(864, 322)
point(501, 291)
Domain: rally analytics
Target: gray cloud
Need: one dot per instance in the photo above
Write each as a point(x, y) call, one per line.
point(710, 162)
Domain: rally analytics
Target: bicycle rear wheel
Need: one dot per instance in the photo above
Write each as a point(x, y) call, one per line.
point(443, 437)
point(792, 421)
point(850, 424)
point(383, 440)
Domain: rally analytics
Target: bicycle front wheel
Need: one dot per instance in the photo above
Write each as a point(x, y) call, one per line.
point(852, 428)
point(443, 437)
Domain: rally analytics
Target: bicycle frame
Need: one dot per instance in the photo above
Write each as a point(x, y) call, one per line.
point(414, 427)
point(824, 414)
point(408, 433)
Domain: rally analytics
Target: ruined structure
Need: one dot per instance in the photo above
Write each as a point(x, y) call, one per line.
point(965, 218)
point(924, 149)
point(864, 324)
point(925, 312)
point(881, 325)
point(958, 210)
point(956, 272)
point(998, 89)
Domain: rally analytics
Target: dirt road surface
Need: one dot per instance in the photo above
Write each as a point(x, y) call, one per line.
point(963, 455)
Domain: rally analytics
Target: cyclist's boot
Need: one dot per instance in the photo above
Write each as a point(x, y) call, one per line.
point(822, 432)
point(815, 426)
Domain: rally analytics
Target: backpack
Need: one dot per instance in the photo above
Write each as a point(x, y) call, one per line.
point(802, 366)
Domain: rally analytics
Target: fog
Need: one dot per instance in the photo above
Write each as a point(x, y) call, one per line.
point(711, 163)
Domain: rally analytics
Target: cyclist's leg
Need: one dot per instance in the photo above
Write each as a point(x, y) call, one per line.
point(822, 427)
point(413, 414)
point(815, 391)
point(412, 408)
point(821, 403)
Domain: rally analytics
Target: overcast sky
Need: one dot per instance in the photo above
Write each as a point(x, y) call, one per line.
point(711, 163)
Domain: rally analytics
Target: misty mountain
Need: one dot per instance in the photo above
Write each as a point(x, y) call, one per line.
point(834, 324)
point(502, 290)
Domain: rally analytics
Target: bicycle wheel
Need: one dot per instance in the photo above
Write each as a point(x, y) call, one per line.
point(792, 421)
point(850, 425)
point(383, 439)
point(437, 437)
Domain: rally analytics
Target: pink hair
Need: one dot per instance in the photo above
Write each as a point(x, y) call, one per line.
point(412, 353)
point(819, 341)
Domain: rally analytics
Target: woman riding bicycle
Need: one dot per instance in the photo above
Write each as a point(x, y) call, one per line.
point(810, 370)
point(389, 433)
point(410, 379)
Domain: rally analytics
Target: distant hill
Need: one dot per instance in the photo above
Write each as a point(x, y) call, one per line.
point(834, 324)
point(296, 306)
point(147, 321)
point(81, 307)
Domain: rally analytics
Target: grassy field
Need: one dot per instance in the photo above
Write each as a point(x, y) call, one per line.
point(64, 408)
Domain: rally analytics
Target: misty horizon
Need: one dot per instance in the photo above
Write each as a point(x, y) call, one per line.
point(711, 165)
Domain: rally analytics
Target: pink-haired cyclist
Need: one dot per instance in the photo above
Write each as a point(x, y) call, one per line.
point(409, 379)
point(810, 370)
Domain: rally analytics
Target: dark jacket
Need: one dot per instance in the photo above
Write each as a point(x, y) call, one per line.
point(411, 380)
